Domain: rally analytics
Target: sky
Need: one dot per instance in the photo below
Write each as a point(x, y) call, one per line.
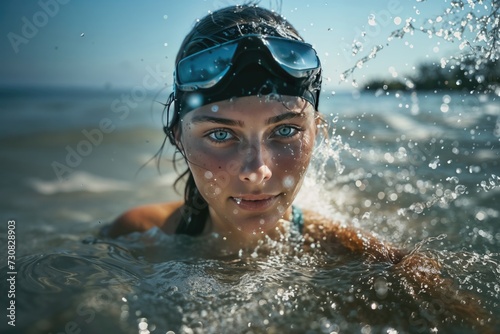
point(118, 43)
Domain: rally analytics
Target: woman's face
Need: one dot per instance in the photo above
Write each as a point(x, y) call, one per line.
point(248, 157)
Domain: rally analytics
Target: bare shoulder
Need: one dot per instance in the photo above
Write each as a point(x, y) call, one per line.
point(166, 216)
point(336, 237)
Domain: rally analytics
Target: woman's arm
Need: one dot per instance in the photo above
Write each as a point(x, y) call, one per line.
point(419, 274)
point(166, 216)
point(439, 297)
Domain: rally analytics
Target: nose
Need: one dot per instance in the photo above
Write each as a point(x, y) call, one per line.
point(255, 165)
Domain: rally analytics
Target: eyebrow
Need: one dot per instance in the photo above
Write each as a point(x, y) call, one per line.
point(284, 116)
point(230, 122)
point(218, 120)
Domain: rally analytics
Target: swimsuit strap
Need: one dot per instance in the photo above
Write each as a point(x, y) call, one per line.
point(297, 218)
point(196, 227)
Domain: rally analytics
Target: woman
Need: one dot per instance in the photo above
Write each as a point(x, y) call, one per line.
point(245, 120)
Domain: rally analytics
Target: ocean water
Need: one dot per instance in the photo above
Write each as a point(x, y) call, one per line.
point(420, 170)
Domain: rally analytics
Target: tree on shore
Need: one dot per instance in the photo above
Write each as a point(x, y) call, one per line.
point(451, 76)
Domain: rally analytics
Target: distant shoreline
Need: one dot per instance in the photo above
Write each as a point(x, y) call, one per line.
point(433, 77)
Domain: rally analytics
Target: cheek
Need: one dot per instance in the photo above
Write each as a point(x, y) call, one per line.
point(291, 161)
point(212, 172)
point(297, 154)
point(209, 181)
point(206, 160)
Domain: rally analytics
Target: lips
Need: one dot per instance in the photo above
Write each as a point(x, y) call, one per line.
point(255, 202)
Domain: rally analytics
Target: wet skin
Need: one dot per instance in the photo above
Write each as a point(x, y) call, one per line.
point(248, 158)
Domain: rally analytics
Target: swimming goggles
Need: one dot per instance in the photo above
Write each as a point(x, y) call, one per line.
point(205, 69)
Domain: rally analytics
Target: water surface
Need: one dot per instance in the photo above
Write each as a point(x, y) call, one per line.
point(419, 170)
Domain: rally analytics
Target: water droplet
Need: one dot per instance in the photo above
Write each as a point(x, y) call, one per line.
point(380, 286)
point(371, 20)
point(417, 207)
point(288, 182)
point(444, 108)
point(460, 189)
point(474, 169)
point(480, 215)
point(195, 100)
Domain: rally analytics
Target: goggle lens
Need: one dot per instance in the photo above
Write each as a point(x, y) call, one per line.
point(296, 58)
point(206, 68)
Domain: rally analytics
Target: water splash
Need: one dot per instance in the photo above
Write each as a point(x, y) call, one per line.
point(473, 25)
point(492, 183)
point(419, 246)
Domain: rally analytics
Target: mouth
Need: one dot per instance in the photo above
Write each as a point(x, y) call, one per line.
point(255, 202)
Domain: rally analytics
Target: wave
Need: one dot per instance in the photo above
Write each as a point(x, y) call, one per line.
point(78, 182)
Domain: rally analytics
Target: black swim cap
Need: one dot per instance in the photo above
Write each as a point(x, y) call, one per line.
point(253, 72)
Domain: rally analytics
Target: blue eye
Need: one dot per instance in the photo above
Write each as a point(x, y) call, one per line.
point(286, 131)
point(220, 135)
